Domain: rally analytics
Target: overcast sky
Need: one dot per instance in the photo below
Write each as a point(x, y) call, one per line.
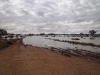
point(50, 16)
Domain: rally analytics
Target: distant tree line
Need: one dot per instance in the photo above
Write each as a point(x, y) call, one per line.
point(3, 32)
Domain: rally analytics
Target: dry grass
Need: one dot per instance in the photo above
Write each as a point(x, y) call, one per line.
point(4, 43)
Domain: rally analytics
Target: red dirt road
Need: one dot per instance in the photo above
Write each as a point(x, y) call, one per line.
point(20, 60)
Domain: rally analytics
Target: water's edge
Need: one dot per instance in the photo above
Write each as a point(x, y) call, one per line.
point(94, 56)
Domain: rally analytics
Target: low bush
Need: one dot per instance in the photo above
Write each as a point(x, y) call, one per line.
point(9, 42)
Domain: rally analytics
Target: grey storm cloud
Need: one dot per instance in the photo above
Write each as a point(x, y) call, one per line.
point(50, 16)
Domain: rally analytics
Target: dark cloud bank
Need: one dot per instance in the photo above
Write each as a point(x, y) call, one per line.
point(57, 16)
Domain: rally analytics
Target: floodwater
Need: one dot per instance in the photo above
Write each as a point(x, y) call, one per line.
point(41, 41)
point(7, 37)
point(95, 40)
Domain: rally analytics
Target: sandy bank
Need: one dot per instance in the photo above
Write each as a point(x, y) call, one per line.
point(20, 60)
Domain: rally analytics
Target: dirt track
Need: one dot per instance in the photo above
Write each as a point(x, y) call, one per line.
point(20, 60)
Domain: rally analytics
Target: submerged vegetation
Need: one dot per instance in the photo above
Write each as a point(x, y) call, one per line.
point(74, 42)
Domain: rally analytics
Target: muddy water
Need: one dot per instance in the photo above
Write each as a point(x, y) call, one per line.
point(40, 41)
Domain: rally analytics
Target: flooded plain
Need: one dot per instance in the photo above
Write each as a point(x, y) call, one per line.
point(42, 41)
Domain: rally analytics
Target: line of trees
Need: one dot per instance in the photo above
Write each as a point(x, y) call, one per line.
point(4, 32)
